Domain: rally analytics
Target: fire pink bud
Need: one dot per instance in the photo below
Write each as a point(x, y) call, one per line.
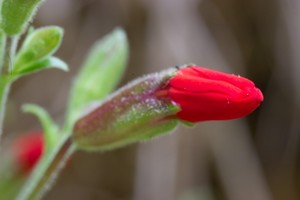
point(152, 105)
point(205, 94)
point(27, 150)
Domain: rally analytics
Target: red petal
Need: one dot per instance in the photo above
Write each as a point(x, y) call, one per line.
point(205, 94)
point(198, 84)
point(27, 150)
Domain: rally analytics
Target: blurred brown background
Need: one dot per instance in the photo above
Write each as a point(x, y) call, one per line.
point(255, 158)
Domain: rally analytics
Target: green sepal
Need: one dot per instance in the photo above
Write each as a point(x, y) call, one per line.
point(187, 123)
point(100, 73)
point(148, 133)
point(50, 129)
point(16, 14)
point(38, 45)
point(136, 112)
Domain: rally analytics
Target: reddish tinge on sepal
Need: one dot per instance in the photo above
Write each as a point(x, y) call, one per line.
point(27, 150)
point(205, 94)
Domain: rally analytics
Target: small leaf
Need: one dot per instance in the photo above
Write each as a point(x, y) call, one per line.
point(49, 127)
point(38, 45)
point(15, 15)
point(51, 62)
point(100, 73)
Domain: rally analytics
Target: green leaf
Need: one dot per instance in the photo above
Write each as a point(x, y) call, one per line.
point(50, 129)
point(15, 15)
point(100, 73)
point(50, 62)
point(38, 45)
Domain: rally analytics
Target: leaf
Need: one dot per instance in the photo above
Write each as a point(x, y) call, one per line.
point(100, 73)
point(50, 129)
point(50, 62)
point(15, 15)
point(38, 45)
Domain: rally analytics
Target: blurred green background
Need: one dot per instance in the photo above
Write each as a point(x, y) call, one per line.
point(255, 158)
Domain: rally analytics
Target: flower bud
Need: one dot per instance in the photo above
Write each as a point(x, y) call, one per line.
point(27, 150)
point(17, 161)
point(15, 14)
point(152, 105)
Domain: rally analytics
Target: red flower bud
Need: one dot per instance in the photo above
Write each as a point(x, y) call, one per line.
point(205, 94)
point(27, 150)
point(150, 106)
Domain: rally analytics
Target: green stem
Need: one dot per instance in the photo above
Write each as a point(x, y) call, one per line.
point(5, 79)
point(4, 90)
point(12, 52)
point(3, 40)
point(47, 170)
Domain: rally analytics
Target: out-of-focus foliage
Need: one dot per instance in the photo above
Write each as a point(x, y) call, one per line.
point(100, 73)
point(37, 49)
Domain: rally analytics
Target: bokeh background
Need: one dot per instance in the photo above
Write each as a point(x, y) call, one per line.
point(255, 158)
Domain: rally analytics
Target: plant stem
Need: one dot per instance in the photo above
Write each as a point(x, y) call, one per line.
point(4, 90)
point(47, 170)
point(5, 81)
point(12, 52)
point(3, 40)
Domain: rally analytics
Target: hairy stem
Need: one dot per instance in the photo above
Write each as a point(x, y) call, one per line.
point(3, 40)
point(12, 52)
point(4, 90)
point(5, 79)
point(47, 170)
